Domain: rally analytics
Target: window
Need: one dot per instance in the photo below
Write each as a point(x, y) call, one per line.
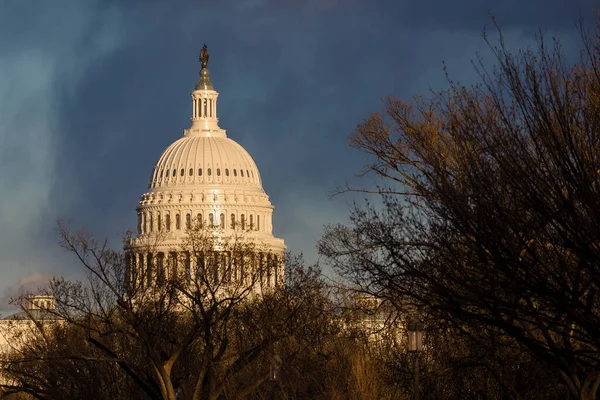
point(269, 268)
point(149, 269)
point(232, 221)
point(222, 220)
point(139, 224)
point(242, 172)
point(151, 221)
point(161, 173)
point(182, 172)
point(226, 171)
point(199, 171)
point(218, 171)
point(209, 172)
point(241, 265)
point(247, 174)
point(168, 222)
point(235, 172)
point(174, 172)
point(200, 264)
point(191, 171)
point(173, 272)
point(188, 267)
point(160, 267)
point(275, 269)
point(199, 218)
point(177, 221)
point(188, 221)
point(159, 222)
point(258, 222)
point(251, 222)
point(211, 219)
point(243, 221)
point(145, 230)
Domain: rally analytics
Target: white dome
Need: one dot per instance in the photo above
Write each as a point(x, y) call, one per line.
point(205, 160)
point(205, 177)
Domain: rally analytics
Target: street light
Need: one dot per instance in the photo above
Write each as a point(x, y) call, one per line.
point(415, 345)
point(274, 371)
point(274, 368)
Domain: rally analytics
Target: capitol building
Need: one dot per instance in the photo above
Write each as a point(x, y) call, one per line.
point(203, 184)
point(207, 181)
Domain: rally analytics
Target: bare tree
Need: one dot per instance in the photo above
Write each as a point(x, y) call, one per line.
point(208, 333)
point(491, 210)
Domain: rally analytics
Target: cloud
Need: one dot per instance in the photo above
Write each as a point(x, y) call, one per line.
point(32, 283)
point(38, 67)
point(92, 92)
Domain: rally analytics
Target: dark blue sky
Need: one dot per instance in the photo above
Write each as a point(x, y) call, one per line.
point(91, 92)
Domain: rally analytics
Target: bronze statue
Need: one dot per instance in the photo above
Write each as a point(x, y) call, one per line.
point(204, 57)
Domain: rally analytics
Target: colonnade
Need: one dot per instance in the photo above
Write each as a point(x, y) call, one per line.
point(217, 268)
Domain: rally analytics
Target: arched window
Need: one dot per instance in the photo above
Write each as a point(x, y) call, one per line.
point(174, 172)
point(188, 221)
point(222, 220)
point(251, 222)
point(177, 221)
point(247, 174)
point(211, 220)
point(218, 171)
point(191, 171)
point(232, 221)
point(199, 171)
point(159, 218)
point(242, 172)
point(199, 218)
point(258, 222)
point(145, 230)
point(151, 221)
point(168, 222)
point(243, 221)
point(209, 172)
point(235, 172)
point(226, 171)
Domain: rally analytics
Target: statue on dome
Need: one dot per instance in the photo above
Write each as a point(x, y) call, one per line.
point(204, 57)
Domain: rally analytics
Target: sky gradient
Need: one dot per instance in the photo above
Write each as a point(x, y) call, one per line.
point(91, 93)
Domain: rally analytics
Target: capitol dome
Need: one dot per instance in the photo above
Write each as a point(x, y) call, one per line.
point(204, 160)
point(204, 179)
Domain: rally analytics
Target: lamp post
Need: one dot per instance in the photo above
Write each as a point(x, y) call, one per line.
point(274, 372)
point(415, 346)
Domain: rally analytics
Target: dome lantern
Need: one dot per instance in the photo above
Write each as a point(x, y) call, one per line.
point(204, 103)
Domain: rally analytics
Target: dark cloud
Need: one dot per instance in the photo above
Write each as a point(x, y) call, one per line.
point(96, 92)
